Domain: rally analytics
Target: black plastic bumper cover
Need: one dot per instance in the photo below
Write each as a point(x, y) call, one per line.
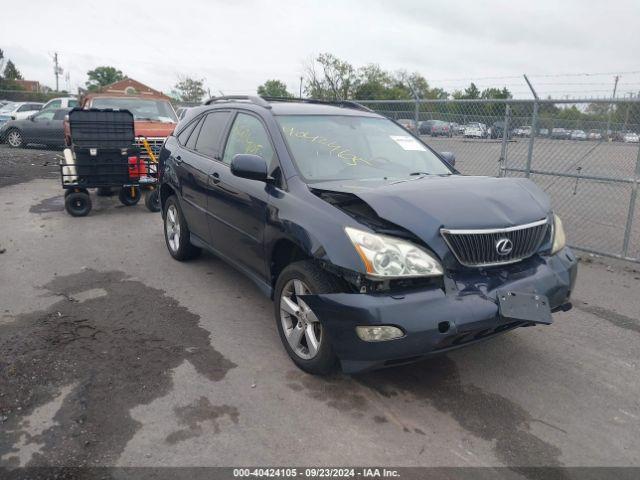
point(434, 320)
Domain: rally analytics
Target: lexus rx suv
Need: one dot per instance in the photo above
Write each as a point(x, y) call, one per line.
point(375, 250)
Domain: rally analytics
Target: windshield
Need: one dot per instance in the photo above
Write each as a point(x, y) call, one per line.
point(142, 109)
point(332, 147)
point(7, 107)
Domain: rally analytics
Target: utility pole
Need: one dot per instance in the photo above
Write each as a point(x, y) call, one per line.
point(57, 71)
point(534, 126)
point(613, 97)
point(301, 78)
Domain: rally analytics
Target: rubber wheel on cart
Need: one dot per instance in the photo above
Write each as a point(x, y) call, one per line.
point(104, 191)
point(77, 204)
point(303, 336)
point(152, 200)
point(176, 232)
point(129, 196)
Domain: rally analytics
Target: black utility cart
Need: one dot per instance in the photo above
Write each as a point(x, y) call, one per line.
point(103, 155)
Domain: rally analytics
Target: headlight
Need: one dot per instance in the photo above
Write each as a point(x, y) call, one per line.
point(559, 239)
point(390, 257)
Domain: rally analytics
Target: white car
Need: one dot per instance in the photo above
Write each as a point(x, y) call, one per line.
point(578, 135)
point(20, 110)
point(61, 102)
point(631, 137)
point(475, 130)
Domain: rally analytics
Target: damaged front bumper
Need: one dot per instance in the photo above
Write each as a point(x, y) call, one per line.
point(436, 320)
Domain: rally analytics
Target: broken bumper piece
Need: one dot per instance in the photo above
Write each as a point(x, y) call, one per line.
point(468, 310)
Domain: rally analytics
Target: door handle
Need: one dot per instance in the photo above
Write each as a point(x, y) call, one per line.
point(178, 159)
point(216, 177)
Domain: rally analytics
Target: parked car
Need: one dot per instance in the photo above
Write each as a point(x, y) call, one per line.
point(455, 128)
point(62, 102)
point(543, 132)
point(630, 137)
point(578, 135)
point(594, 135)
point(497, 130)
point(523, 131)
point(424, 127)
point(560, 134)
point(376, 252)
point(408, 123)
point(181, 111)
point(20, 110)
point(42, 128)
point(441, 129)
point(475, 130)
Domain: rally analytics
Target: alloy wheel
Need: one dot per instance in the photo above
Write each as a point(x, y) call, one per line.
point(172, 227)
point(300, 325)
point(14, 138)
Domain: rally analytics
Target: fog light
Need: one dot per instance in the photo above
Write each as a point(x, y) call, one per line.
point(379, 333)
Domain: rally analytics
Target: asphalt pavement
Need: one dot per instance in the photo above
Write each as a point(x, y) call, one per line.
point(114, 354)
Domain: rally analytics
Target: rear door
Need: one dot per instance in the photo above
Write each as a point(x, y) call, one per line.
point(194, 164)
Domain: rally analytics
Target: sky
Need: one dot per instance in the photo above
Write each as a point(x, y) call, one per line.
point(237, 45)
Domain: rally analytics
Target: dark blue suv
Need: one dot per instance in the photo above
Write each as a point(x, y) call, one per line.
point(375, 250)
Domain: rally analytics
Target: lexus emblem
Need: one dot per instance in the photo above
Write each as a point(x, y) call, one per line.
point(504, 246)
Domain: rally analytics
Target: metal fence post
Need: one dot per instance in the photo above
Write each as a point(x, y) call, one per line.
point(632, 208)
point(534, 127)
point(417, 115)
point(502, 162)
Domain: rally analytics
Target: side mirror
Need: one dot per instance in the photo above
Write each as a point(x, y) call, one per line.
point(32, 117)
point(253, 167)
point(448, 157)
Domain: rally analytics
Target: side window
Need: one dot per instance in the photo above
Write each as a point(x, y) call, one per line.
point(184, 135)
point(191, 143)
point(211, 133)
point(60, 114)
point(25, 108)
point(248, 136)
point(73, 103)
point(44, 116)
point(54, 104)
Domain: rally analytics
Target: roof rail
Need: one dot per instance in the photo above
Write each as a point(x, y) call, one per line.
point(337, 103)
point(249, 98)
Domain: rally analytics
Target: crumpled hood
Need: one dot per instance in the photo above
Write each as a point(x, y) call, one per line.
point(425, 204)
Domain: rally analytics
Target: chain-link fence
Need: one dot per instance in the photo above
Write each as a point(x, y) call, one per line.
point(584, 153)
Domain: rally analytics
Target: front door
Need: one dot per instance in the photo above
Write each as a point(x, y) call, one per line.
point(238, 206)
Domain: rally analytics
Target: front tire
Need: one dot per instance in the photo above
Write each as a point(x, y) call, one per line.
point(176, 232)
point(77, 204)
point(303, 336)
point(15, 138)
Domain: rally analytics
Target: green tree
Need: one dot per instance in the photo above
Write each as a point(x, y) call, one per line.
point(329, 78)
point(101, 76)
point(189, 89)
point(11, 72)
point(274, 88)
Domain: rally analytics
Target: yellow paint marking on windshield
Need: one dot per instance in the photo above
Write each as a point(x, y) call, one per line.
point(250, 146)
point(350, 158)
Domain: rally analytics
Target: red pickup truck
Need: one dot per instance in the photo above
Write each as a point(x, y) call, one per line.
point(154, 117)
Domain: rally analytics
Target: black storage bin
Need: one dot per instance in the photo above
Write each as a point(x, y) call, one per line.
point(101, 128)
point(109, 167)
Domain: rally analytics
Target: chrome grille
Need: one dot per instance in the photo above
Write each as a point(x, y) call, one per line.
point(154, 142)
point(478, 248)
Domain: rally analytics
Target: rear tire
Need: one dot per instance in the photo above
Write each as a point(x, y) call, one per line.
point(77, 204)
point(129, 198)
point(176, 232)
point(314, 280)
point(152, 200)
